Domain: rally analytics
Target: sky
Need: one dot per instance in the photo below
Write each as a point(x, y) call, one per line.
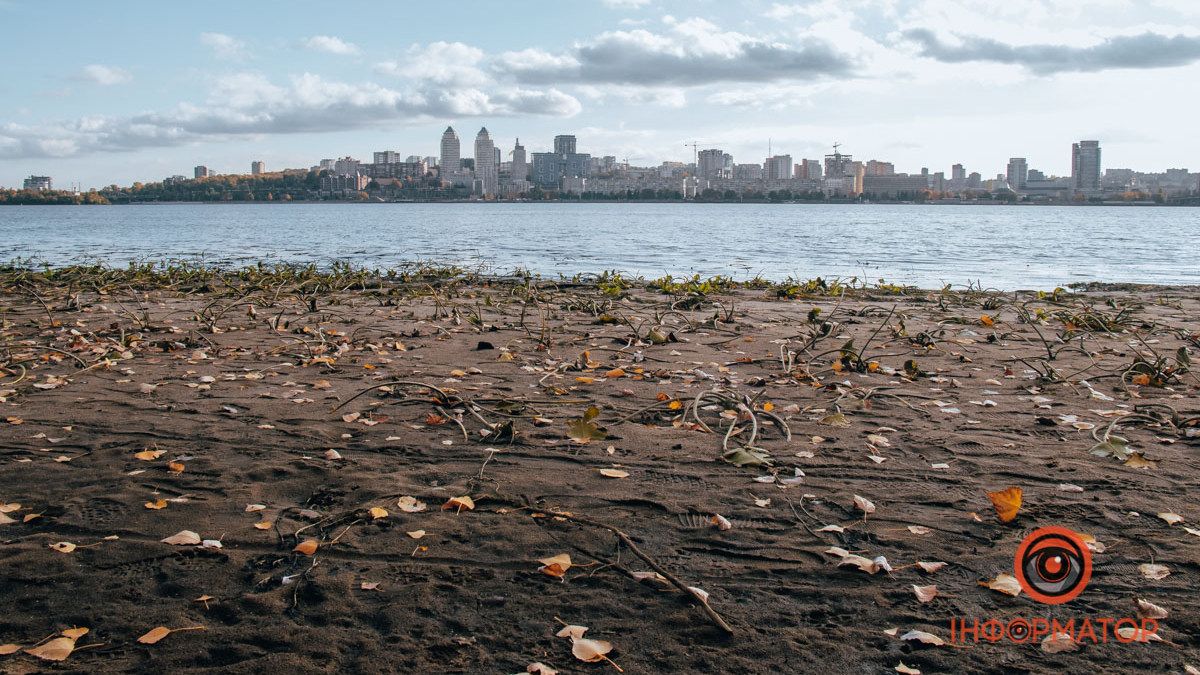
point(101, 93)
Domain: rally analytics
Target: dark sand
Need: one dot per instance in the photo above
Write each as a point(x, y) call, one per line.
point(248, 410)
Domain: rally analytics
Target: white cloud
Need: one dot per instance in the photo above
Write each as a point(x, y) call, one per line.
point(625, 4)
point(224, 46)
point(105, 75)
point(331, 45)
point(250, 104)
point(447, 63)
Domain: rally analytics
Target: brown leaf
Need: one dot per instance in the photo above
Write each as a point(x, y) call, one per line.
point(10, 648)
point(63, 546)
point(175, 467)
point(183, 538)
point(1059, 642)
point(154, 635)
point(1007, 503)
point(156, 504)
point(556, 566)
point(925, 593)
point(378, 512)
point(150, 455)
point(459, 503)
point(57, 649)
point(590, 650)
point(1004, 583)
point(1149, 610)
point(614, 473)
point(306, 547)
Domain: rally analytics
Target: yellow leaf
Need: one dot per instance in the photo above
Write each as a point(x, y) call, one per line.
point(306, 547)
point(675, 405)
point(264, 525)
point(76, 633)
point(1004, 583)
point(768, 406)
point(175, 467)
point(63, 547)
point(615, 373)
point(150, 455)
point(614, 473)
point(1007, 503)
point(378, 512)
point(157, 504)
point(585, 380)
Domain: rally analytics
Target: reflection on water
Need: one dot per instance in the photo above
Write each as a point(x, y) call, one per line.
point(1002, 247)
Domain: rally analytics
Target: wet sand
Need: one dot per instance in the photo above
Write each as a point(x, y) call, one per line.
point(261, 416)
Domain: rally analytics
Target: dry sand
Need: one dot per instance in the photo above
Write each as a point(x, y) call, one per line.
point(241, 405)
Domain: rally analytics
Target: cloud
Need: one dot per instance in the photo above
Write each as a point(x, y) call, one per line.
point(691, 52)
point(625, 4)
point(105, 75)
point(250, 104)
point(446, 63)
point(1144, 51)
point(331, 45)
point(224, 46)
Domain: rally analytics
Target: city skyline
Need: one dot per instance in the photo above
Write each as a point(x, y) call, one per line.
point(900, 80)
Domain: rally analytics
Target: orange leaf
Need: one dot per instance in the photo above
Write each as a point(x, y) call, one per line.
point(1007, 503)
point(154, 635)
point(987, 320)
point(1141, 379)
point(307, 547)
point(614, 373)
point(175, 467)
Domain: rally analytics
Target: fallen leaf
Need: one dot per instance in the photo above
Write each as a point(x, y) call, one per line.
point(614, 473)
point(572, 631)
point(369, 585)
point(930, 567)
point(1059, 642)
point(63, 546)
point(835, 420)
point(1004, 583)
point(154, 635)
point(1007, 503)
point(264, 525)
point(76, 633)
point(251, 508)
point(183, 538)
point(410, 505)
point(150, 455)
point(1149, 610)
point(919, 529)
point(306, 547)
point(416, 534)
point(1171, 518)
point(906, 670)
point(556, 566)
point(156, 504)
point(923, 637)
point(539, 668)
point(332, 454)
point(1135, 634)
point(590, 650)
point(865, 505)
point(10, 648)
point(378, 512)
point(1154, 572)
point(459, 503)
point(175, 467)
point(925, 593)
point(721, 522)
point(57, 649)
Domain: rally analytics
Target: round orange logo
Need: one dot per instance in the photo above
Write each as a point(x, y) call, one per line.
point(1053, 565)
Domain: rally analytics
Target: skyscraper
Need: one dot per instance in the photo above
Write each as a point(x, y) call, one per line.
point(713, 164)
point(778, 167)
point(564, 145)
point(451, 161)
point(200, 172)
point(958, 173)
point(1018, 173)
point(258, 168)
point(1085, 166)
point(486, 170)
point(520, 170)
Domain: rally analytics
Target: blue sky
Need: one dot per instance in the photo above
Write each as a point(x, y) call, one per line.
point(102, 93)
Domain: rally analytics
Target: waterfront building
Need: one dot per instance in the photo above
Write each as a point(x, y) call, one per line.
point(451, 161)
point(39, 183)
point(486, 163)
point(1018, 173)
point(1085, 167)
point(878, 168)
point(713, 164)
point(778, 167)
point(519, 169)
point(257, 168)
point(564, 144)
point(387, 157)
point(200, 172)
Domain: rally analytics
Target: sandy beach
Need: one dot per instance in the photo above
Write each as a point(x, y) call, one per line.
point(382, 473)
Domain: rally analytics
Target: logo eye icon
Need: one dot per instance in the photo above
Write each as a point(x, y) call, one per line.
point(1053, 565)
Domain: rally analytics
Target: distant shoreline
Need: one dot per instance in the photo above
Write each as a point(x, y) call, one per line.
point(1193, 203)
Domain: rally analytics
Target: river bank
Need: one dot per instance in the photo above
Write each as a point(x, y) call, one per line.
point(377, 469)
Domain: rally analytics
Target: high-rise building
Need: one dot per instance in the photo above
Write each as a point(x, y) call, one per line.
point(958, 173)
point(486, 164)
point(346, 166)
point(387, 157)
point(328, 164)
point(200, 172)
point(778, 167)
point(564, 145)
point(838, 165)
point(257, 168)
point(451, 161)
point(1018, 173)
point(520, 169)
point(1085, 166)
point(39, 183)
point(808, 169)
point(877, 168)
point(714, 164)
